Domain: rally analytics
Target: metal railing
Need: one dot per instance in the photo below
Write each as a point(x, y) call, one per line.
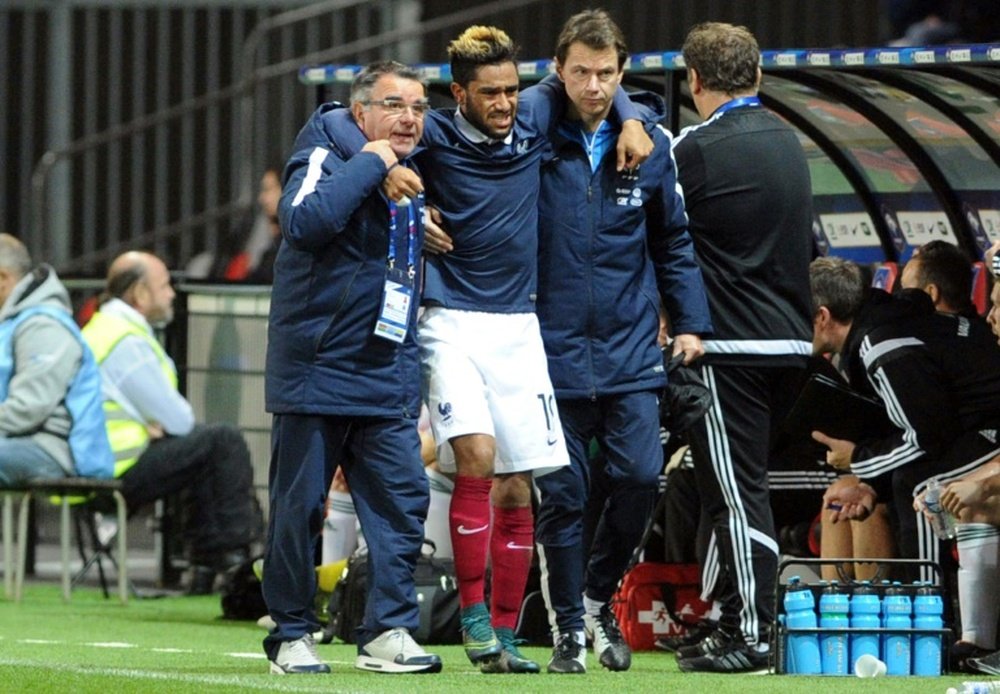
point(167, 179)
point(179, 179)
point(177, 239)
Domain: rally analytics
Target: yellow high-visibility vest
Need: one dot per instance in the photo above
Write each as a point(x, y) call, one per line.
point(128, 437)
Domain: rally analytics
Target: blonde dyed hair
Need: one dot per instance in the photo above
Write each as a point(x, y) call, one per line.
point(477, 46)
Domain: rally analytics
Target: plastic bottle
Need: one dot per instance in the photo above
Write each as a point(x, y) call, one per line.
point(987, 687)
point(800, 613)
point(927, 609)
point(883, 590)
point(895, 644)
point(833, 610)
point(782, 654)
point(942, 522)
point(865, 611)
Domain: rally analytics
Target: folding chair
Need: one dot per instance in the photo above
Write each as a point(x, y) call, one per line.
point(67, 489)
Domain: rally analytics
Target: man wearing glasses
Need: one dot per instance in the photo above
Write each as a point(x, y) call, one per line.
point(342, 374)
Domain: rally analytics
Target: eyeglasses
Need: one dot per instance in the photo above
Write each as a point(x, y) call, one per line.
point(395, 107)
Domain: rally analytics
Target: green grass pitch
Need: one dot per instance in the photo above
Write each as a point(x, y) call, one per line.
point(179, 644)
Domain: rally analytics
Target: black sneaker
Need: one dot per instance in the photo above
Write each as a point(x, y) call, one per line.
point(987, 664)
point(609, 644)
point(727, 655)
point(569, 656)
point(962, 652)
point(713, 640)
point(696, 634)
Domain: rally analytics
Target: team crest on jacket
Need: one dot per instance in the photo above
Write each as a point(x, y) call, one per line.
point(628, 196)
point(444, 409)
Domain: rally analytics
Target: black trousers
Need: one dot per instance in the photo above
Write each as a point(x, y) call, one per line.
point(210, 468)
point(731, 448)
point(916, 540)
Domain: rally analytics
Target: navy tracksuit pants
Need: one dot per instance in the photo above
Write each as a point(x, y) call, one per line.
point(381, 461)
point(627, 428)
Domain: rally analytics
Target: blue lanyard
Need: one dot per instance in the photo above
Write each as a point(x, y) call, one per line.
point(411, 234)
point(736, 103)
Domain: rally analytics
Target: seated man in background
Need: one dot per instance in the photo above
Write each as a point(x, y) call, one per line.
point(939, 377)
point(158, 448)
point(51, 423)
point(974, 500)
point(942, 271)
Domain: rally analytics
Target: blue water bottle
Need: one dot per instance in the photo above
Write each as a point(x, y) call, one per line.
point(927, 610)
point(833, 611)
point(883, 590)
point(865, 614)
point(800, 613)
point(896, 644)
point(782, 644)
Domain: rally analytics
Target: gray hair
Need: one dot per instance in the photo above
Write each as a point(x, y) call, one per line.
point(14, 255)
point(361, 88)
point(837, 284)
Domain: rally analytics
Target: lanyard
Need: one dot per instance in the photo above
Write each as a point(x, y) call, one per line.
point(411, 234)
point(736, 103)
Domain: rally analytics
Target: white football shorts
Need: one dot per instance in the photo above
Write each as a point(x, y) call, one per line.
point(486, 373)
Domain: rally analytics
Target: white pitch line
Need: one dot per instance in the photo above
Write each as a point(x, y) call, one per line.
point(124, 645)
point(317, 683)
point(172, 650)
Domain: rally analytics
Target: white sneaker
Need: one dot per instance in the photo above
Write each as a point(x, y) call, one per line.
point(395, 651)
point(298, 657)
point(609, 644)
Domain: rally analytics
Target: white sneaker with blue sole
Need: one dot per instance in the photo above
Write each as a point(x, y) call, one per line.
point(298, 657)
point(395, 651)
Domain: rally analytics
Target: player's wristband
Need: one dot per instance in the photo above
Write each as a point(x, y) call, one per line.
point(995, 267)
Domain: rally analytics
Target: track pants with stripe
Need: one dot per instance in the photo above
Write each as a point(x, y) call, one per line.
point(731, 448)
point(917, 540)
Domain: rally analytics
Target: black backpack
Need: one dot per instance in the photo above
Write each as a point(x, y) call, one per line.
point(437, 597)
point(241, 593)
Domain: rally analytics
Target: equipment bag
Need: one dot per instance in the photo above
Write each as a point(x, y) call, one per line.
point(437, 598)
point(241, 593)
point(656, 600)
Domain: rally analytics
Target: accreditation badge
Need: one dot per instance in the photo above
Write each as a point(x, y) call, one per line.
point(393, 318)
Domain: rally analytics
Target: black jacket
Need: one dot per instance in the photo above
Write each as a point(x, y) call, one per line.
point(749, 205)
point(938, 375)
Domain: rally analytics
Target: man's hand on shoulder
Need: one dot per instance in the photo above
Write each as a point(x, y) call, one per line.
point(384, 150)
point(634, 145)
point(400, 182)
